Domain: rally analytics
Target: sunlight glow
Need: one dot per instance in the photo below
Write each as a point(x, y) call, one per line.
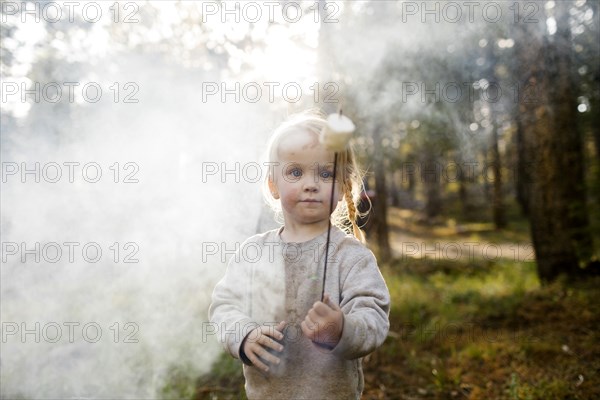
point(284, 60)
point(551, 24)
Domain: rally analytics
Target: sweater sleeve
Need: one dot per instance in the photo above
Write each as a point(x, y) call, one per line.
point(229, 307)
point(365, 302)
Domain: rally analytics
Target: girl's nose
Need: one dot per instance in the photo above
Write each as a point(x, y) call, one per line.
point(310, 185)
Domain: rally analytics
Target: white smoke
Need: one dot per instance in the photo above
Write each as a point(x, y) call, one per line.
point(150, 313)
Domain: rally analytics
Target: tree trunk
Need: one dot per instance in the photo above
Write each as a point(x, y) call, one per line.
point(394, 190)
point(497, 198)
point(412, 179)
point(559, 227)
point(522, 176)
point(380, 209)
point(326, 63)
point(570, 141)
point(463, 196)
point(595, 101)
point(431, 177)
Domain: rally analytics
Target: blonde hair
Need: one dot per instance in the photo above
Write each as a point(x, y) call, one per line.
point(348, 174)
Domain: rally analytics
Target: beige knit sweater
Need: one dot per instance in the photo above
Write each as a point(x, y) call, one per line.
point(269, 281)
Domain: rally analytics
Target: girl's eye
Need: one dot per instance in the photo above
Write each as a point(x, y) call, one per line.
point(295, 172)
point(326, 174)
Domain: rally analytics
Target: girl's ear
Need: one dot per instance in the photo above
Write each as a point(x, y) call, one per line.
point(273, 189)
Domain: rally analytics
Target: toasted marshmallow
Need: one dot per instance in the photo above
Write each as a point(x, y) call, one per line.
point(337, 133)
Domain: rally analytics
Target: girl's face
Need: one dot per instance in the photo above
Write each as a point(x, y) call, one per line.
point(302, 179)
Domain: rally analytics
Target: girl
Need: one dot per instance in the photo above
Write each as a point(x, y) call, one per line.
point(267, 306)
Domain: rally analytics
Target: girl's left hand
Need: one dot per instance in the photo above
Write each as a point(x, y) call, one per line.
point(324, 323)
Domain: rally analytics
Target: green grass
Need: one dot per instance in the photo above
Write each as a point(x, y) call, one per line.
point(485, 332)
point(225, 381)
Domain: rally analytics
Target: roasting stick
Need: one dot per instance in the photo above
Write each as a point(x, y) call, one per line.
point(335, 136)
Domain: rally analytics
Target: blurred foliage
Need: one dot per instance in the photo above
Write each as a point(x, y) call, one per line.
point(374, 62)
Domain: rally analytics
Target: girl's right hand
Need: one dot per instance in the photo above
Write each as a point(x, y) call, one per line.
point(257, 342)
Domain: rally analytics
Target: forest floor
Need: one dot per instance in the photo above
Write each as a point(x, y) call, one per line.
point(464, 324)
point(480, 325)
